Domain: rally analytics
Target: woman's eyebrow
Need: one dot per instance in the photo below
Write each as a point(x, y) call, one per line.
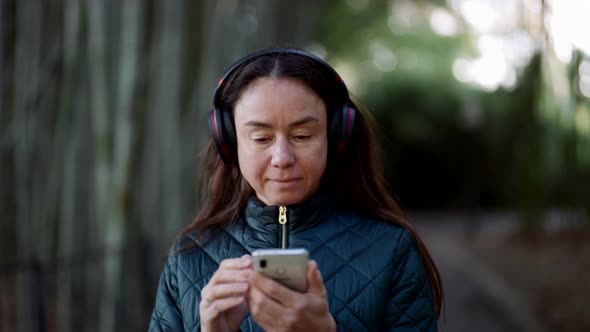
point(300, 122)
point(305, 120)
point(258, 124)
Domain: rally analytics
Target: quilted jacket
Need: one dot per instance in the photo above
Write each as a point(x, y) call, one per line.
point(373, 273)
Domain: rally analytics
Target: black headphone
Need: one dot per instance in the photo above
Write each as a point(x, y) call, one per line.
point(221, 124)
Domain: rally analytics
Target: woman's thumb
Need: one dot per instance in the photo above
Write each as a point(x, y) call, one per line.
point(314, 278)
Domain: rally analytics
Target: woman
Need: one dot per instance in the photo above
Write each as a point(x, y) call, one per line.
point(293, 163)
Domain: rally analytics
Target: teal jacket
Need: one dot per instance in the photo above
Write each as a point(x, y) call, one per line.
point(373, 273)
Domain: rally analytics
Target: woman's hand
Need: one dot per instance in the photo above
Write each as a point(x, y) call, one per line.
point(276, 308)
point(223, 300)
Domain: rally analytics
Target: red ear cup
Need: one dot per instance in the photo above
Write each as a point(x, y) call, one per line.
point(214, 121)
point(343, 131)
point(229, 131)
point(218, 130)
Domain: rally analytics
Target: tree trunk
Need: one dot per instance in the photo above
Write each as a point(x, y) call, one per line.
point(161, 203)
point(195, 129)
point(3, 78)
point(27, 54)
point(123, 139)
point(7, 225)
point(168, 110)
point(105, 216)
point(66, 143)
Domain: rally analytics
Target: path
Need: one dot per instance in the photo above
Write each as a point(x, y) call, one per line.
point(476, 299)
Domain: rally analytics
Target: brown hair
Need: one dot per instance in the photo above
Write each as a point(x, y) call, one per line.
point(356, 179)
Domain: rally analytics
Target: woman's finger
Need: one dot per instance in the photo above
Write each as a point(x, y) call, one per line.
point(236, 263)
point(232, 270)
point(274, 290)
point(314, 279)
point(213, 309)
point(222, 291)
point(263, 309)
point(228, 276)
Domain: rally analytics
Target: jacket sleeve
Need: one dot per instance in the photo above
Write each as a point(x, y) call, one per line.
point(166, 315)
point(409, 306)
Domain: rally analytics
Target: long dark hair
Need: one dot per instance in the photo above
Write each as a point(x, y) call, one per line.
point(356, 179)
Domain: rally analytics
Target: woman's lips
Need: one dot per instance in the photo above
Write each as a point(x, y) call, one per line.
point(286, 183)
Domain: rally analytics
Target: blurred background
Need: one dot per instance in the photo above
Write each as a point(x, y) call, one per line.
point(484, 115)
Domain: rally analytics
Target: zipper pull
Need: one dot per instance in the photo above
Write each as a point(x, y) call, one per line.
point(282, 215)
point(283, 223)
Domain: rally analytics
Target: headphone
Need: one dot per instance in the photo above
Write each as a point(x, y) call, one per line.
point(221, 124)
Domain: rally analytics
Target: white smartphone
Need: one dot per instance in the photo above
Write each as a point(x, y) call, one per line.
point(287, 266)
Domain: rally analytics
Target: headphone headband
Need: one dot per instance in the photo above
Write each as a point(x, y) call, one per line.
point(270, 52)
point(221, 124)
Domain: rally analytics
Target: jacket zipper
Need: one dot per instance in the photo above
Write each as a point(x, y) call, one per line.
point(283, 228)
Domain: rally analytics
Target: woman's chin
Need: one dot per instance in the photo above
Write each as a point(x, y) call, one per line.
point(283, 197)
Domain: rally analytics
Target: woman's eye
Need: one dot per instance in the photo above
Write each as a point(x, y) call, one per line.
point(302, 137)
point(261, 140)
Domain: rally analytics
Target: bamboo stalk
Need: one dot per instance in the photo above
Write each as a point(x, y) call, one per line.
point(195, 129)
point(66, 137)
point(168, 107)
point(27, 54)
point(116, 231)
point(3, 76)
point(6, 226)
point(160, 199)
point(102, 167)
point(112, 178)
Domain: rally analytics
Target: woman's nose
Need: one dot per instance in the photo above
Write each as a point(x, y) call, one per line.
point(282, 154)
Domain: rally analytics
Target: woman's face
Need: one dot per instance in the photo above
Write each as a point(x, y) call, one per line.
point(281, 128)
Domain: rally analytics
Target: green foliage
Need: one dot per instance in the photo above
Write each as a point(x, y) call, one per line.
point(447, 144)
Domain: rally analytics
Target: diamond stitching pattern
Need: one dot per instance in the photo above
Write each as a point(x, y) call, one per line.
point(353, 298)
point(344, 309)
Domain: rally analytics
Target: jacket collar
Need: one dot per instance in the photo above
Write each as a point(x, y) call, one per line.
point(265, 218)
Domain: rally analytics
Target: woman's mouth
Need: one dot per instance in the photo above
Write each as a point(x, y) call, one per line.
point(286, 183)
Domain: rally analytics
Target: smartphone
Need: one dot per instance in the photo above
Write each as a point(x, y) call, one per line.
point(287, 266)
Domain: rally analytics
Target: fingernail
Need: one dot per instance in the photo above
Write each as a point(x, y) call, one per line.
point(246, 260)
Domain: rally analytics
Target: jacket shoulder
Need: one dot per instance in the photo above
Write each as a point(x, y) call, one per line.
point(364, 242)
point(190, 264)
point(199, 256)
point(391, 240)
point(373, 273)
point(369, 228)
